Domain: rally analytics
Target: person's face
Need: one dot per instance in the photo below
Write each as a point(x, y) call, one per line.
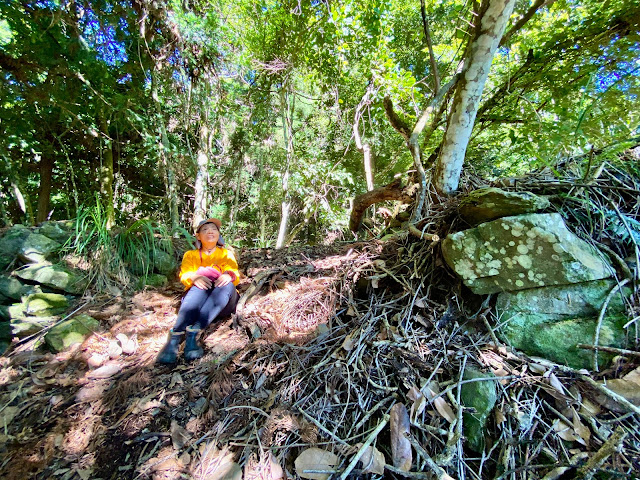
point(208, 234)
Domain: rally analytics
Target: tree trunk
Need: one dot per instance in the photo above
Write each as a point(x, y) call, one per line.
point(393, 191)
point(288, 139)
point(106, 174)
point(236, 197)
point(493, 19)
point(44, 192)
point(200, 190)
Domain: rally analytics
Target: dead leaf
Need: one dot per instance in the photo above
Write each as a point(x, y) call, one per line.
point(215, 463)
point(627, 386)
point(555, 383)
point(582, 431)
point(351, 312)
point(179, 435)
point(372, 460)
point(402, 456)
point(129, 345)
point(419, 303)
point(537, 368)
point(500, 417)
point(316, 459)
point(419, 402)
point(441, 405)
point(115, 350)
point(564, 431)
point(348, 343)
point(267, 468)
point(7, 415)
point(375, 282)
point(105, 371)
point(96, 360)
point(176, 379)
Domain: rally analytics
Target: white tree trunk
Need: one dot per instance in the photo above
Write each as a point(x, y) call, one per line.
point(200, 188)
point(467, 97)
point(287, 113)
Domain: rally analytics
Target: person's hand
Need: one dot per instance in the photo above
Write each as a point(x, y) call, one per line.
point(202, 282)
point(224, 279)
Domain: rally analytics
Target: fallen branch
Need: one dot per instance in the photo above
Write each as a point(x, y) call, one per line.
point(392, 191)
point(610, 446)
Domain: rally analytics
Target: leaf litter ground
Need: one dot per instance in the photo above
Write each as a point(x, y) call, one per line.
point(346, 360)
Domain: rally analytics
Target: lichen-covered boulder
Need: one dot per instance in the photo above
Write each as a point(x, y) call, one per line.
point(60, 231)
point(521, 252)
point(481, 396)
point(486, 204)
point(37, 248)
point(10, 244)
point(550, 322)
point(57, 277)
point(11, 288)
point(71, 331)
point(164, 263)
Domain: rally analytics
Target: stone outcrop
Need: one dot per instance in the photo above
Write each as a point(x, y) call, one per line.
point(71, 331)
point(37, 248)
point(521, 252)
point(10, 244)
point(53, 276)
point(486, 204)
point(550, 322)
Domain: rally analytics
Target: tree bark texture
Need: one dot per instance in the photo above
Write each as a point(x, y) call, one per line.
point(392, 191)
point(493, 21)
point(44, 192)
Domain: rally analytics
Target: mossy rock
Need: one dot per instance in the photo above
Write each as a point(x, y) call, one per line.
point(37, 248)
point(550, 322)
point(69, 332)
point(45, 304)
point(25, 326)
point(155, 280)
point(486, 204)
point(56, 277)
point(10, 244)
point(164, 263)
point(481, 396)
point(11, 288)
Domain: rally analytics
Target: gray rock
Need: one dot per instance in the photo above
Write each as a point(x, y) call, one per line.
point(10, 244)
point(71, 331)
point(60, 231)
point(526, 251)
point(11, 288)
point(481, 396)
point(37, 248)
point(53, 276)
point(25, 326)
point(486, 204)
point(550, 322)
point(164, 263)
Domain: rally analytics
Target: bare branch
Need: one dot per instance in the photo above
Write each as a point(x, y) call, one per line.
point(392, 191)
point(396, 122)
point(432, 58)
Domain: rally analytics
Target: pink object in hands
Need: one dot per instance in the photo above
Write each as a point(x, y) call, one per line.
point(209, 272)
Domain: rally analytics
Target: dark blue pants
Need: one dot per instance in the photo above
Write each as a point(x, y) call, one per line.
point(203, 307)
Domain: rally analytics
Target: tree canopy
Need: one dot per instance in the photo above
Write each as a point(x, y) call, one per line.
point(275, 115)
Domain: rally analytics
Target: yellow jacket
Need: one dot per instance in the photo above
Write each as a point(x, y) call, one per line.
point(220, 259)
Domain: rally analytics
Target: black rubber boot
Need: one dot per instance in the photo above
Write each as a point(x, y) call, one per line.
point(192, 350)
point(169, 353)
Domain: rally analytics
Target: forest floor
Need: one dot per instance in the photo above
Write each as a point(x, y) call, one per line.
point(328, 340)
